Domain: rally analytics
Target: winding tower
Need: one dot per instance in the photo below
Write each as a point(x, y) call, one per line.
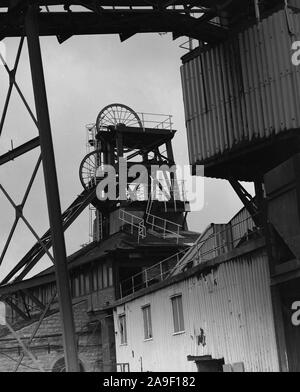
point(123, 140)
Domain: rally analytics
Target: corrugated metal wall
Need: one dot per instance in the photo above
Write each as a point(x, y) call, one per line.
point(241, 224)
point(218, 239)
point(230, 307)
point(207, 243)
point(244, 89)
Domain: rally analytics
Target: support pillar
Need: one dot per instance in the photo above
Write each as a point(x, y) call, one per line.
point(52, 193)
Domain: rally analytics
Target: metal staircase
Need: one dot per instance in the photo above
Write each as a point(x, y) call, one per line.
point(135, 222)
point(161, 225)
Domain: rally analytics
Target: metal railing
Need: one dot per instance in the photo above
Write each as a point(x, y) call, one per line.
point(154, 274)
point(148, 120)
point(157, 121)
point(202, 251)
point(162, 226)
point(221, 242)
point(134, 222)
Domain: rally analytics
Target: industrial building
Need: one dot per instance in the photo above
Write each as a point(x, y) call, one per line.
point(241, 115)
point(214, 312)
point(128, 237)
point(147, 294)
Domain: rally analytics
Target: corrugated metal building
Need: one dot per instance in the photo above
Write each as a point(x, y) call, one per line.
point(243, 92)
point(241, 99)
point(226, 315)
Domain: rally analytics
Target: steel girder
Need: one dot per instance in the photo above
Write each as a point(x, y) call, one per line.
point(182, 18)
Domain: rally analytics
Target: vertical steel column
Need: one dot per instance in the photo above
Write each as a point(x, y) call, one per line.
point(268, 233)
point(53, 202)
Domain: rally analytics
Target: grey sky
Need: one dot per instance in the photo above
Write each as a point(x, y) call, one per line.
point(83, 75)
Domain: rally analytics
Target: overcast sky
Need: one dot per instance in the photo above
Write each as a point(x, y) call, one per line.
point(82, 76)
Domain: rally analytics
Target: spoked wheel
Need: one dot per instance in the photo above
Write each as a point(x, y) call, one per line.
point(116, 114)
point(88, 169)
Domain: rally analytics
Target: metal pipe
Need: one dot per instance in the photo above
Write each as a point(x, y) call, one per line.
point(52, 193)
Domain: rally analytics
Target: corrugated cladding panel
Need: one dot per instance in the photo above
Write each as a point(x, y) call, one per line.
point(218, 239)
point(207, 244)
point(241, 224)
point(244, 89)
point(214, 241)
point(230, 307)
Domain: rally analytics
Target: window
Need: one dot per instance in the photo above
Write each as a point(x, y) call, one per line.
point(77, 289)
point(123, 328)
point(105, 277)
point(95, 279)
point(81, 279)
point(123, 367)
point(147, 322)
point(110, 276)
point(177, 313)
point(100, 278)
point(87, 282)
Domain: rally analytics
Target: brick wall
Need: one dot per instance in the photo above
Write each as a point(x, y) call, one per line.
point(100, 299)
point(47, 345)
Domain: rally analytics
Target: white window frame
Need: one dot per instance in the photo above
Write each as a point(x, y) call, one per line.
point(147, 321)
point(123, 331)
point(177, 314)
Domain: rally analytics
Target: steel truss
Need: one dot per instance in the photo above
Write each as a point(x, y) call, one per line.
point(55, 236)
point(26, 347)
point(31, 19)
point(123, 17)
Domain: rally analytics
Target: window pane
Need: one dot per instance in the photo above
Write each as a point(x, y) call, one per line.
point(72, 287)
point(110, 276)
point(77, 286)
point(95, 279)
point(87, 282)
point(177, 313)
point(81, 284)
point(180, 314)
point(123, 330)
point(105, 280)
point(100, 282)
point(147, 322)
